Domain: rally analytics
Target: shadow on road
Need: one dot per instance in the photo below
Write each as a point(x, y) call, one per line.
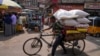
point(69, 53)
point(35, 55)
point(4, 38)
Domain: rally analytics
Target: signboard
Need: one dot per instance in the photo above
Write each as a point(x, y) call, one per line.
point(72, 1)
point(54, 1)
point(31, 7)
point(89, 0)
point(12, 9)
point(92, 6)
point(98, 0)
point(70, 7)
point(41, 5)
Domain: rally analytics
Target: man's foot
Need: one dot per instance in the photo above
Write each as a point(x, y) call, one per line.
point(64, 53)
point(51, 55)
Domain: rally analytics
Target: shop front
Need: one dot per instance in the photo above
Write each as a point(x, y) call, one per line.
point(68, 7)
point(92, 8)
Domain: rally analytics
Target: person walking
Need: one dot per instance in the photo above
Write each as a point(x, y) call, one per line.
point(7, 24)
point(14, 22)
point(57, 28)
point(1, 21)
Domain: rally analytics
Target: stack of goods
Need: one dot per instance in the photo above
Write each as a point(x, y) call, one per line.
point(76, 23)
point(82, 20)
point(83, 24)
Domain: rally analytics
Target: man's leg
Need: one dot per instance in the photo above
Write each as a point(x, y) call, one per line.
point(56, 43)
point(13, 29)
point(62, 45)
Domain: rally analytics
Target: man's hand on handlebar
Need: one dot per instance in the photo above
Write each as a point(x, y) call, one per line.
point(43, 30)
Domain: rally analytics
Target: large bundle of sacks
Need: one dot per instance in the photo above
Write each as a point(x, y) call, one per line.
point(75, 21)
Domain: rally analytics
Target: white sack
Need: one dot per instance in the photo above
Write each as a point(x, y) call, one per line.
point(61, 13)
point(80, 13)
point(83, 20)
point(58, 11)
point(70, 22)
point(67, 16)
point(82, 25)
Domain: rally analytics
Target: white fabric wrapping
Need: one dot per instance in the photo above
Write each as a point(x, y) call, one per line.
point(83, 25)
point(80, 13)
point(61, 13)
point(83, 20)
point(70, 22)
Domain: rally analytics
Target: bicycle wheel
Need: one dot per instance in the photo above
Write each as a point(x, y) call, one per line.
point(78, 47)
point(32, 46)
point(68, 44)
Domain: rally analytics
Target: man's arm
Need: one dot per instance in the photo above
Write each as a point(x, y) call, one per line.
point(47, 28)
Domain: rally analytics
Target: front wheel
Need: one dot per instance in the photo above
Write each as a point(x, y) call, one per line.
point(32, 46)
point(78, 47)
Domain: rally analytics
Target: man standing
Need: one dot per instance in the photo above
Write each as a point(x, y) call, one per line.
point(14, 20)
point(7, 24)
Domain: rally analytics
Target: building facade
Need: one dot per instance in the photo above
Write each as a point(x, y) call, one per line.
point(68, 5)
point(31, 4)
point(91, 6)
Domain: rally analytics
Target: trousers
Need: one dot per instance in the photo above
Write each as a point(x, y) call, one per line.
point(58, 41)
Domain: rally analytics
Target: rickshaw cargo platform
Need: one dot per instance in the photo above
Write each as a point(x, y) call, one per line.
point(82, 29)
point(75, 36)
point(72, 29)
point(74, 33)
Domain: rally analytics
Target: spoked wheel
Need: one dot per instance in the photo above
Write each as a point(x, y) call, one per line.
point(78, 47)
point(32, 46)
point(68, 44)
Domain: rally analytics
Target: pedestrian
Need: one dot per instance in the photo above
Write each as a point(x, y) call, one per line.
point(1, 21)
point(40, 22)
point(7, 24)
point(14, 22)
point(57, 28)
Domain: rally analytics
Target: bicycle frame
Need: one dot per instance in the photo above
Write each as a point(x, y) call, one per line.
point(41, 38)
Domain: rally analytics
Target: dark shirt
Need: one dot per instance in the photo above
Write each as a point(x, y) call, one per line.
point(7, 19)
point(57, 27)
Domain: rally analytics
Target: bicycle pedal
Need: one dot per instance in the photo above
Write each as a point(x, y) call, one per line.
point(49, 46)
point(78, 47)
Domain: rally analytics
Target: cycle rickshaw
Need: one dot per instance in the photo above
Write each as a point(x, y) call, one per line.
point(75, 39)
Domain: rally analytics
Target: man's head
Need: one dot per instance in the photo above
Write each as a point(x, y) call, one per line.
point(52, 19)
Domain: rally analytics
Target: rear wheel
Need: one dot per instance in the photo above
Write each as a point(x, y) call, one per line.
point(32, 46)
point(78, 47)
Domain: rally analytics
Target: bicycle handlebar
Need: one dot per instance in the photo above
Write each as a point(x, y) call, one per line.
point(48, 35)
point(41, 33)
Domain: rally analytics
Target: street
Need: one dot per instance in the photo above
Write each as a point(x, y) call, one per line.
point(12, 46)
point(21, 19)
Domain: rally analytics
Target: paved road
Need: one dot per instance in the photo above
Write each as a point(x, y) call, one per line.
point(12, 46)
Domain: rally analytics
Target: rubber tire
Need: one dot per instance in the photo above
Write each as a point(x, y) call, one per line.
point(81, 50)
point(29, 40)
